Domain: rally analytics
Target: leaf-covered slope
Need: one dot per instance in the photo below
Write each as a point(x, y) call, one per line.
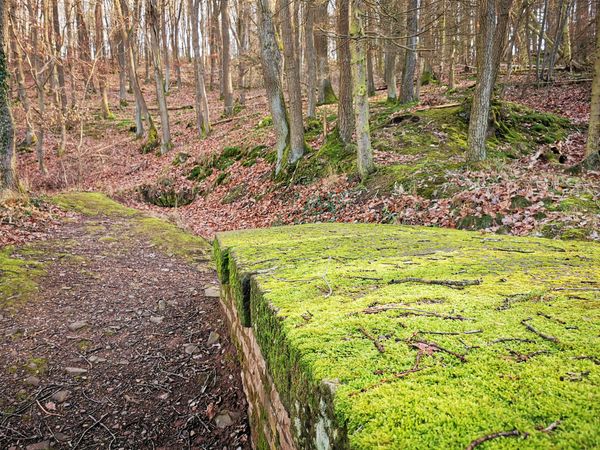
point(429, 338)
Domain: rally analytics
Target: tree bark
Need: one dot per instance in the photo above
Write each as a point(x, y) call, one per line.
point(20, 77)
point(345, 110)
point(493, 23)
point(226, 59)
point(326, 94)
point(310, 58)
point(271, 66)
point(106, 114)
point(202, 111)
point(141, 107)
point(361, 98)
point(153, 23)
point(8, 173)
point(292, 72)
point(407, 91)
point(592, 150)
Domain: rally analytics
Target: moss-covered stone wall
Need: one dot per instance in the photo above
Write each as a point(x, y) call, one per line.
point(380, 336)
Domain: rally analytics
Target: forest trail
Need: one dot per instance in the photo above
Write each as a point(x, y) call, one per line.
point(122, 344)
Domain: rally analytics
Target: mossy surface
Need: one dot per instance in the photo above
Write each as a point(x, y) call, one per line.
point(161, 233)
point(435, 142)
point(341, 338)
point(19, 270)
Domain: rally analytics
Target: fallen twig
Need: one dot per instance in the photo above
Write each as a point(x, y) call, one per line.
point(509, 339)
point(450, 333)
point(415, 312)
point(375, 341)
point(522, 357)
point(455, 284)
point(576, 289)
point(491, 436)
point(95, 424)
point(437, 347)
point(539, 333)
point(553, 426)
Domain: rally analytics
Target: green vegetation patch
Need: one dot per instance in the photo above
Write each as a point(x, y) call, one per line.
point(434, 141)
point(165, 235)
point(382, 336)
point(19, 270)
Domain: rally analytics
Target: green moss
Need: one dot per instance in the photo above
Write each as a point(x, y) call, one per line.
point(313, 129)
point(180, 158)
point(166, 236)
point(310, 288)
point(36, 366)
point(172, 239)
point(581, 203)
point(166, 196)
point(265, 122)
point(328, 97)
point(234, 194)
point(92, 204)
point(152, 141)
point(19, 271)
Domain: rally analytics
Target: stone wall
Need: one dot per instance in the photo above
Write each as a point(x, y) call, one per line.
point(269, 420)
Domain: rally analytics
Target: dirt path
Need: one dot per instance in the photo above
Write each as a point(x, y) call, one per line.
point(123, 346)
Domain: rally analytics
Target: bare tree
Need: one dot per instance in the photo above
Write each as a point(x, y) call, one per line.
point(361, 97)
point(8, 175)
point(345, 111)
point(153, 23)
point(271, 65)
point(292, 72)
point(226, 59)
point(202, 111)
point(407, 91)
point(592, 153)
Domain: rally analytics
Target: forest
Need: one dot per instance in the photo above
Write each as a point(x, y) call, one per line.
point(138, 137)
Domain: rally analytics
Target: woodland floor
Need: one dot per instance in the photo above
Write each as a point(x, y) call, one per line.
point(123, 346)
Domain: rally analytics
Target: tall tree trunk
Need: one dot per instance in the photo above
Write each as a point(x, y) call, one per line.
point(8, 173)
point(292, 72)
point(23, 97)
point(162, 24)
point(175, 19)
point(243, 32)
point(153, 23)
point(361, 98)
point(101, 61)
point(83, 39)
point(60, 68)
point(310, 58)
point(390, 55)
point(141, 107)
point(326, 94)
point(345, 110)
point(202, 111)
point(271, 66)
point(592, 150)
point(226, 59)
point(493, 24)
point(407, 91)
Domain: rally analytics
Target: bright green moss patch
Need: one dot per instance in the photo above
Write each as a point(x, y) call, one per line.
point(19, 270)
point(92, 204)
point(382, 336)
point(165, 235)
point(434, 141)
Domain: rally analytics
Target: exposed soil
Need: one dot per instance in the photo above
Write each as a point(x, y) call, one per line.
point(118, 349)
